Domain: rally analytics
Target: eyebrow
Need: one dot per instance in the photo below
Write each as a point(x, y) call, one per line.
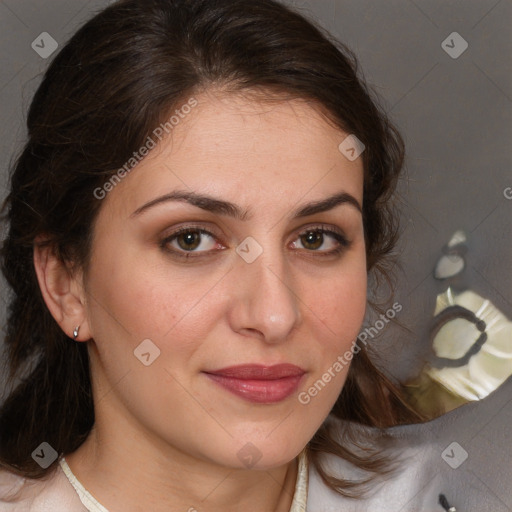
point(221, 207)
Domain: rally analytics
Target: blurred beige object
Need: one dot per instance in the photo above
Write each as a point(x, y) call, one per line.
point(452, 263)
point(449, 266)
point(458, 238)
point(491, 365)
point(473, 358)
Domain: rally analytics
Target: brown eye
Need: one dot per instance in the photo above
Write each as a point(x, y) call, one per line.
point(185, 241)
point(189, 240)
point(313, 239)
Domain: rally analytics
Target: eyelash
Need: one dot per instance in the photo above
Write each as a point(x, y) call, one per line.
point(338, 236)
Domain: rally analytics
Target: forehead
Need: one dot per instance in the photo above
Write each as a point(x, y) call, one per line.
point(244, 150)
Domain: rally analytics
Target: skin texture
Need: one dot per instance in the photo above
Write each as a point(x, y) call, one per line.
point(166, 437)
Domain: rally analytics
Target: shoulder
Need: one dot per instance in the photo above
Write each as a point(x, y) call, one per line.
point(462, 455)
point(11, 490)
point(409, 447)
point(49, 494)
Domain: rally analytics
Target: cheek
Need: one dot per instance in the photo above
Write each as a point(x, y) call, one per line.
point(337, 313)
point(335, 318)
point(134, 299)
point(339, 308)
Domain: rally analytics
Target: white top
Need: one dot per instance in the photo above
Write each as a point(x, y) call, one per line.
point(90, 502)
point(465, 455)
point(93, 505)
point(63, 492)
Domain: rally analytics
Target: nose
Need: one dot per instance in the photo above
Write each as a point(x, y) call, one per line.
point(264, 303)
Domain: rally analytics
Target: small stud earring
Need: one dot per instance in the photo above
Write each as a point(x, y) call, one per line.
point(75, 332)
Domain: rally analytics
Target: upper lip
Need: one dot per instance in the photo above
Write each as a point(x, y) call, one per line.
point(259, 372)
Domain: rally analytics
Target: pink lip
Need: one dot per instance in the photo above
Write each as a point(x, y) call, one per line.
point(258, 383)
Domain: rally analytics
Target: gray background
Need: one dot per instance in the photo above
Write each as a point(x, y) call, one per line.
point(456, 118)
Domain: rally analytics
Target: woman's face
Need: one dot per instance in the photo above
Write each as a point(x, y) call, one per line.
point(231, 291)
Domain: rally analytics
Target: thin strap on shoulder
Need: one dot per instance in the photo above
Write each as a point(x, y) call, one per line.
point(91, 503)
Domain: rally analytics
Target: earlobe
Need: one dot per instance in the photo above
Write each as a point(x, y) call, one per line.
point(62, 292)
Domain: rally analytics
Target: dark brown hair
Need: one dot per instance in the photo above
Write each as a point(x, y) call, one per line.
point(104, 93)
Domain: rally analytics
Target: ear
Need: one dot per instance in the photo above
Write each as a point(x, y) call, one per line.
point(62, 291)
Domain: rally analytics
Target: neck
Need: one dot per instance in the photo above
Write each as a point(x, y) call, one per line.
point(128, 475)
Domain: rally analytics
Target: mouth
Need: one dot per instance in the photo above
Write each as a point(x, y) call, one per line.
point(258, 383)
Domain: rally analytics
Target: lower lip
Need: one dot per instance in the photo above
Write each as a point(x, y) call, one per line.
point(259, 391)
